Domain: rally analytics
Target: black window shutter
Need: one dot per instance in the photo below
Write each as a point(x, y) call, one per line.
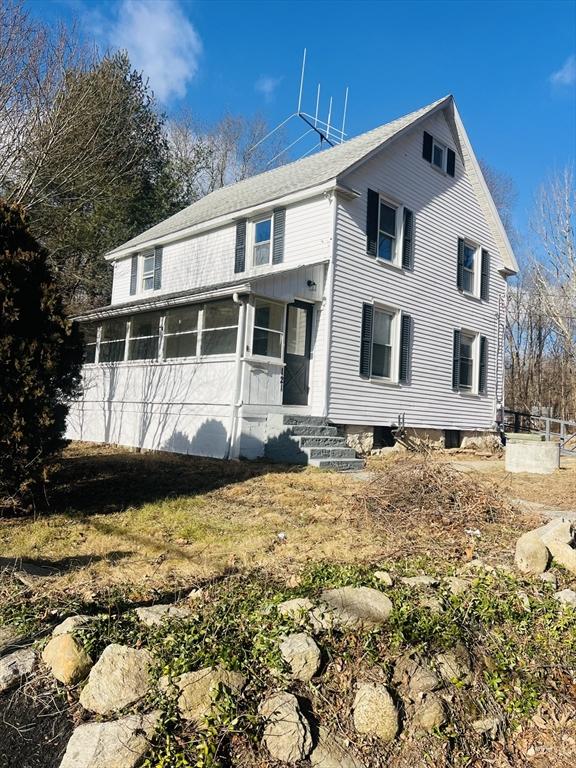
point(366, 340)
point(372, 223)
point(408, 240)
point(133, 274)
point(483, 367)
point(450, 162)
point(157, 267)
point(456, 360)
point(460, 272)
point(485, 276)
point(405, 348)
point(278, 228)
point(427, 147)
point(240, 251)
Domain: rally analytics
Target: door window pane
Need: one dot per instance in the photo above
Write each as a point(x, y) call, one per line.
point(382, 344)
point(296, 331)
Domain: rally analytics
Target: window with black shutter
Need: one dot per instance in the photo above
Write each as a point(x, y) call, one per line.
point(406, 332)
point(240, 249)
point(438, 154)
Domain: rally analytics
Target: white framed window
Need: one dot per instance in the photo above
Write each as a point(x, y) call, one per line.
point(384, 343)
point(468, 361)
point(112, 341)
point(470, 270)
point(262, 245)
point(219, 328)
point(148, 263)
point(439, 155)
point(181, 332)
point(143, 337)
point(390, 229)
point(90, 339)
point(268, 332)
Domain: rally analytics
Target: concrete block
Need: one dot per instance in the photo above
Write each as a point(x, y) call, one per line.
point(534, 458)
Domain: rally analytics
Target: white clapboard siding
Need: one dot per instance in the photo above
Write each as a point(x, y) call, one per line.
point(208, 258)
point(445, 208)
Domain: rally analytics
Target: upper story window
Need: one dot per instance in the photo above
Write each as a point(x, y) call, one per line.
point(469, 269)
point(112, 341)
point(144, 336)
point(268, 334)
point(438, 154)
point(387, 232)
point(262, 242)
point(473, 275)
point(181, 332)
point(148, 271)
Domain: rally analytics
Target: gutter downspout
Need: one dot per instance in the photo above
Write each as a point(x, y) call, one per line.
point(329, 301)
point(232, 450)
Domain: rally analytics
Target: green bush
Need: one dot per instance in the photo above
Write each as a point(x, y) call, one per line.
point(40, 360)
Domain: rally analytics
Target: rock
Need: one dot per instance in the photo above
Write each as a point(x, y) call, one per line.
point(118, 744)
point(532, 555)
point(415, 677)
point(384, 578)
point(67, 660)
point(566, 597)
point(456, 585)
point(302, 654)
point(432, 603)
point(287, 732)
point(10, 636)
point(297, 608)
point(419, 581)
point(524, 600)
point(430, 714)
point(329, 752)
point(153, 615)
point(375, 713)
point(195, 595)
point(71, 624)
point(564, 555)
point(15, 667)
point(556, 532)
point(198, 690)
point(488, 726)
point(549, 578)
point(455, 665)
point(476, 566)
point(120, 677)
point(357, 606)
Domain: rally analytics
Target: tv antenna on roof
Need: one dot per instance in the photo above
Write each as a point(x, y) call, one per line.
point(327, 132)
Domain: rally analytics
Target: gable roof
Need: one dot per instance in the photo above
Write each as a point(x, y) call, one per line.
point(313, 171)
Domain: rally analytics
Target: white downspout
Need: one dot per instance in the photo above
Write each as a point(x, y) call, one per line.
point(233, 448)
point(329, 301)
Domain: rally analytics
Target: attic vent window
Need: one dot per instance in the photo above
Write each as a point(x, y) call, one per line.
point(438, 154)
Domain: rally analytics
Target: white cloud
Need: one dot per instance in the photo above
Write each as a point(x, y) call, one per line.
point(267, 85)
point(161, 42)
point(566, 75)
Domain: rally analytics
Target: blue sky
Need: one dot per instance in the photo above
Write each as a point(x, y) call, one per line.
point(510, 65)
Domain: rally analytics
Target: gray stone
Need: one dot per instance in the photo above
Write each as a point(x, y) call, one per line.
point(68, 661)
point(488, 726)
point(549, 578)
point(432, 603)
point(455, 665)
point(302, 654)
point(476, 566)
point(358, 606)
point(558, 531)
point(384, 578)
point(15, 667)
point(120, 677)
point(456, 585)
point(564, 555)
point(10, 636)
point(287, 734)
point(419, 581)
point(117, 744)
point(153, 615)
point(375, 713)
point(415, 677)
point(430, 714)
point(71, 625)
point(532, 555)
point(330, 752)
point(566, 597)
point(298, 608)
point(198, 691)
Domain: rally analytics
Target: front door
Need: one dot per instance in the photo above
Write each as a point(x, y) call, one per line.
point(297, 353)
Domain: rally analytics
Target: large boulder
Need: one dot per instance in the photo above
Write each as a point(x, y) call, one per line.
point(119, 744)
point(357, 606)
point(153, 615)
point(566, 597)
point(120, 677)
point(329, 752)
point(302, 654)
point(72, 624)
point(198, 690)
point(67, 660)
point(287, 734)
point(532, 554)
point(298, 609)
point(15, 667)
point(375, 713)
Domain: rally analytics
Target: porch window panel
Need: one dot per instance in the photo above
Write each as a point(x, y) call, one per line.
point(89, 333)
point(181, 332)
point(221, 341)
point(144, 336)
point(220, 328)
point(112, 341)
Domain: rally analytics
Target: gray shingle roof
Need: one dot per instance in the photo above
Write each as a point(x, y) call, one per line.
point(273, 184)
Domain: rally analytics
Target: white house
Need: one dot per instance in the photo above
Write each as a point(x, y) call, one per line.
point(354, 288)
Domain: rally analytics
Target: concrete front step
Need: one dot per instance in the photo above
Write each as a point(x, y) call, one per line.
point(293, 418)
point(342, 465)
point(330, 453)
point(322, 442)
point(313, 430)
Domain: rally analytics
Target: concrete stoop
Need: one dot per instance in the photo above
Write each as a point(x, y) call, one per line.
point(312, 440)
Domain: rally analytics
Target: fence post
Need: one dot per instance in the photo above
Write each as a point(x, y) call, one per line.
point(516, 421)
point(548, 430)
